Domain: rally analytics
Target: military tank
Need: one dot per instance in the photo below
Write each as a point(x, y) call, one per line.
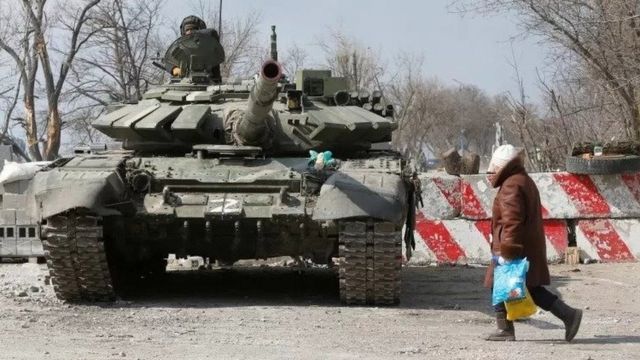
point(245, 170)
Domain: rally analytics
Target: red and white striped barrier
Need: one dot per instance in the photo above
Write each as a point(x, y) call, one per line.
point(477, 197)
point(609, 240)
point(440, 195)
point(563, 196)
point(463, 241)
point(602, 210)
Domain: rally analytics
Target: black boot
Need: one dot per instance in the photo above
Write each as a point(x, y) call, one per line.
point(505, 332)
point(570, 317)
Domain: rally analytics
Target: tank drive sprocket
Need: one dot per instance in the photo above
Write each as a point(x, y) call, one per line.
point(76, 258)
point(370, 262)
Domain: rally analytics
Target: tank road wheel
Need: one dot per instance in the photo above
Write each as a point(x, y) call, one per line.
point(370, 263)
point(76, 258)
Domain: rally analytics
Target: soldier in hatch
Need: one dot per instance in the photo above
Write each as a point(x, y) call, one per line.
point(187, 27)
point(191, 23)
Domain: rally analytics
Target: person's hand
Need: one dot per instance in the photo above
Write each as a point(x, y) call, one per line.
point(176, 71)
point(499, 260)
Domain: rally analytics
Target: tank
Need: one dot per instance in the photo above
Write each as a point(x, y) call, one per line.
point(255, 169)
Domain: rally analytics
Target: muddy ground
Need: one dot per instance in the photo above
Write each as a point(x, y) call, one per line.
point(277, 313)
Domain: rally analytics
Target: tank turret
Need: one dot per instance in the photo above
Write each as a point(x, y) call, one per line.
point(252, 128)
point(316, 111)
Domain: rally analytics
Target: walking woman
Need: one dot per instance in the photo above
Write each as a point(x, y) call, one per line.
point(517, 232)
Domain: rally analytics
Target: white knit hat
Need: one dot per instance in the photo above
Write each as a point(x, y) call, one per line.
point(502, 156)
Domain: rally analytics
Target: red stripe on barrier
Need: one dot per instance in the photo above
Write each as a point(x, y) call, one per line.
point(557, 234)
point(602, 235)
point(633, 183)
point(438, 239)
point(484, 226)
point(452, 195)
point(584, 194)
point(472, 206)
point(545, 212)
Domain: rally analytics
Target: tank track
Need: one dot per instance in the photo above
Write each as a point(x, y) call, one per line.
point(76, 258)
point(370, 263)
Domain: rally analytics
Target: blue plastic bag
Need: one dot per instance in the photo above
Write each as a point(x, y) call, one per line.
point(510, 281)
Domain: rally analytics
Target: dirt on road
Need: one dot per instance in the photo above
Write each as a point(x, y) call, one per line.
point(278, 313)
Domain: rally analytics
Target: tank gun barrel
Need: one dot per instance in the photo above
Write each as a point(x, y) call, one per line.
point(252, 127)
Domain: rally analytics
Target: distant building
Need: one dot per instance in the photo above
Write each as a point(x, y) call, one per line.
point(19, 233)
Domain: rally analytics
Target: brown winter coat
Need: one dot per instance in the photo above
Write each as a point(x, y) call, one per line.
point(517, 223)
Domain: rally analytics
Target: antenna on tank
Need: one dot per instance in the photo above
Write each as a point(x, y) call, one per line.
point(355, 70)
point(220, 20)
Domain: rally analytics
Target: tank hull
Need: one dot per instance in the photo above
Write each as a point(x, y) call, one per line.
point(123, 214)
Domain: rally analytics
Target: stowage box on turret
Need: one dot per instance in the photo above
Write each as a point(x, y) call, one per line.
point(250, 170)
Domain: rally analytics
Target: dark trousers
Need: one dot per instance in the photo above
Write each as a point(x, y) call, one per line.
point(419, 200)
point(543, 298)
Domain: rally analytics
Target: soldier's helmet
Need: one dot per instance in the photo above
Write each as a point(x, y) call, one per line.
point(192, 23)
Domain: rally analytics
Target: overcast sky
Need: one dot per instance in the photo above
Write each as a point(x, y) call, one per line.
point(471, 49)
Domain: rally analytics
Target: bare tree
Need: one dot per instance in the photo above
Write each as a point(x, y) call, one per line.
point(522, 116)
point(116, 64)
point(8, 101)
point(16, 39)
point(31, 31)
point(408, 91)
point(73, 21)
point(433, 117)
point(347, 57)
point(546, 132)
point(294, 59)
point(602, 38)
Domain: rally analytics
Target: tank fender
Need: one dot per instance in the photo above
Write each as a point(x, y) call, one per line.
point(361, 194)
point(57, 191)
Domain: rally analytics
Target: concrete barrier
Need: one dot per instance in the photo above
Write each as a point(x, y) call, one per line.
point(464, 241)
point(441, 195)
point(563, 196)
point(609, 240)
point(603, 211)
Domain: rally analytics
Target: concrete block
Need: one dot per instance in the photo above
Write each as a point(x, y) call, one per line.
point(609, 240)
point(441, 195)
